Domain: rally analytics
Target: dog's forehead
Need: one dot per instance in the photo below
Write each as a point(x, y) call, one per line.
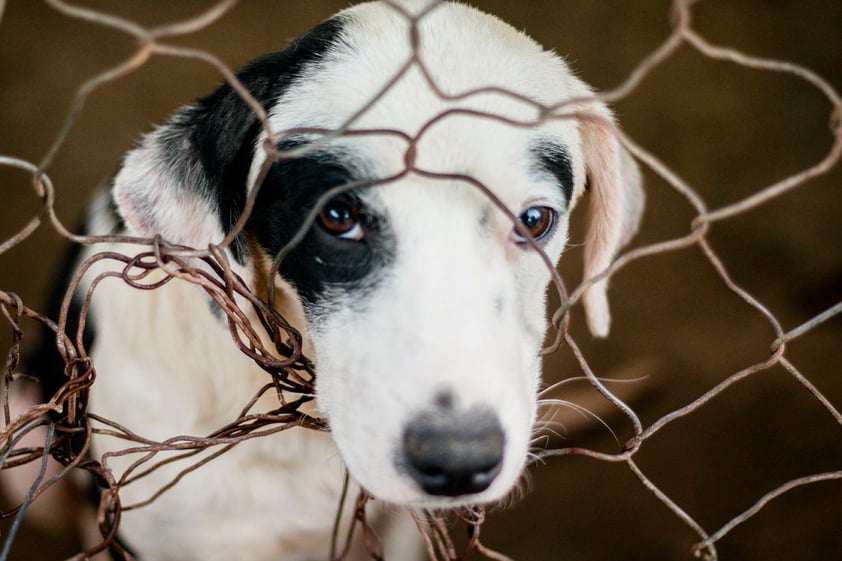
point(461, 50)
point(490, 135)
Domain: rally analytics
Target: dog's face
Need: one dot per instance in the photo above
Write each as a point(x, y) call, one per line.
point(423, 302)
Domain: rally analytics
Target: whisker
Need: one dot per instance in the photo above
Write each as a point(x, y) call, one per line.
point(560, 383)
point(586, 413)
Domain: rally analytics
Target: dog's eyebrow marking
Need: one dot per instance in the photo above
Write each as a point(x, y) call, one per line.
point(553, 158)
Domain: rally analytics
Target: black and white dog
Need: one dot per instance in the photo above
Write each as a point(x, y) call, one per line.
point(421, 303)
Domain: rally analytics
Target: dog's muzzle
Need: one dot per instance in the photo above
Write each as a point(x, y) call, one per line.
point(453, 453)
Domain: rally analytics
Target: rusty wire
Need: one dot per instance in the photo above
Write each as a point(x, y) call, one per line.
point(158, 262)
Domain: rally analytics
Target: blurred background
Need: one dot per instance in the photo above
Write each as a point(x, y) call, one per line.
point(727, 130)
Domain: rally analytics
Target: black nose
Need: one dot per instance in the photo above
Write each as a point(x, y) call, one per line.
point(449, 453)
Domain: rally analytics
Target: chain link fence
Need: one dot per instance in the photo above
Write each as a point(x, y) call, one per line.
point(711, 424)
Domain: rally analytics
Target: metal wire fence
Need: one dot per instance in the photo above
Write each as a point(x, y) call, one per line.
point(283, 362)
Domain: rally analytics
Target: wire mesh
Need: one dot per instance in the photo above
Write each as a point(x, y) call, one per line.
point(67, 438)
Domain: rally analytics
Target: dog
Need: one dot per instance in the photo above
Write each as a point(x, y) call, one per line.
point(419, 290)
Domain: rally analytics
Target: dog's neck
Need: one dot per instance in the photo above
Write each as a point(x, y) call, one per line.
point(172, 338)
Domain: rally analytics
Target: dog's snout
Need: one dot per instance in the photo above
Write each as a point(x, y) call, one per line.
point(452, 454)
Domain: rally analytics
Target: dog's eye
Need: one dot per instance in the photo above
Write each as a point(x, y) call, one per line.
point(339, 218)
point(538, 221)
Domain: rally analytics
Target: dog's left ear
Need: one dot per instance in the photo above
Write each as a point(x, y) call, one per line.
point(616, 204)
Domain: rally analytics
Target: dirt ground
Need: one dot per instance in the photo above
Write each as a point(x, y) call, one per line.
point(727, 130)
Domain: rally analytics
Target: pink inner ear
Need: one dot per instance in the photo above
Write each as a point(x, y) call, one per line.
point(152, 202)
point(615, 208)
point(136, 212)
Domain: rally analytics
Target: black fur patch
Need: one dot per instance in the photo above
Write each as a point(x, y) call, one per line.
point(554, 159)
point(321, 261)
point(210, 147)
point(217, 134)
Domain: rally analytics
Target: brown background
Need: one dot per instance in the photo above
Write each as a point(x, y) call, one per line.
point(727, 130)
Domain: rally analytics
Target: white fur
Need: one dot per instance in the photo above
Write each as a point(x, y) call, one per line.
point(166, 366)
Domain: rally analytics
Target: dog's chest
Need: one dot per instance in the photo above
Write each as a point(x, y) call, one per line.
point(172, 370)
point(242, 505)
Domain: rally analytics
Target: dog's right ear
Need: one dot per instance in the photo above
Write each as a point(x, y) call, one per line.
point(187, 180)
point(163, 189)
